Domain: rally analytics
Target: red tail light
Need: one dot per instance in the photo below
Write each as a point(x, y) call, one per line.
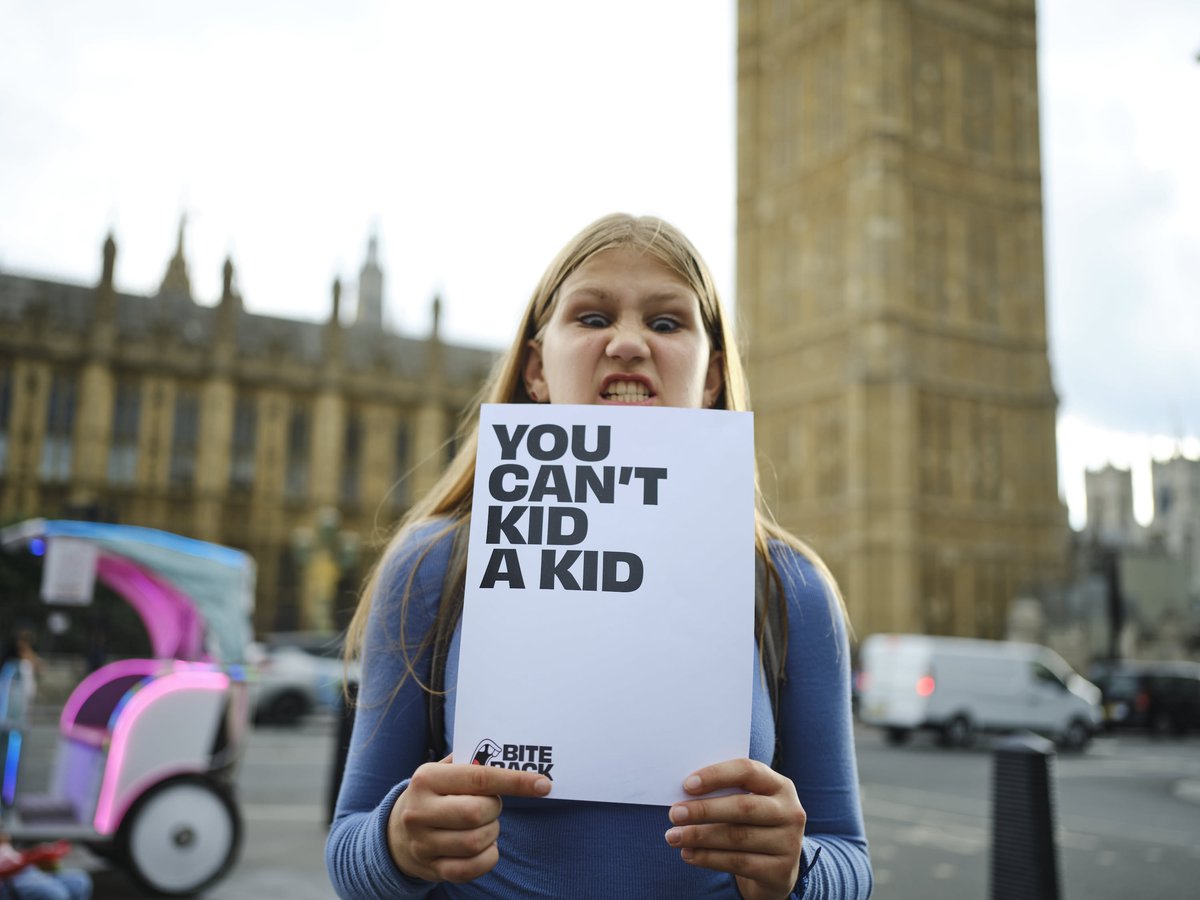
point(1142, 701)
point(925, 686)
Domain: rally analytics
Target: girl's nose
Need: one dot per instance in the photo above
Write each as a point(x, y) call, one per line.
point(627, 343)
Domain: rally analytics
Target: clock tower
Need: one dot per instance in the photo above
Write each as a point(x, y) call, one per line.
point(890, 283)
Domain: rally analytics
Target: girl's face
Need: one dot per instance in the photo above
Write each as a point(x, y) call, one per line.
point(625, 329)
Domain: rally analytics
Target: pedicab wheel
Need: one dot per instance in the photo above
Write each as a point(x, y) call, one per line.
point(180, 836)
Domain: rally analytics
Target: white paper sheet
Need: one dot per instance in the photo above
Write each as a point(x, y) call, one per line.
point(632, 666)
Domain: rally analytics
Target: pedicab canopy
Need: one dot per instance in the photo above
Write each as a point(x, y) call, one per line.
point(196, 599)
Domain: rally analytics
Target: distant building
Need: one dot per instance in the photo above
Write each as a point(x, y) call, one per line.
point(299, 442)
point(1145, 580)
point(890, 276)
point(1109, 493)
point(1176, 523)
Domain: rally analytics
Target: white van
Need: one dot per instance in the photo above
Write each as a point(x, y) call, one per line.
point(958, 686)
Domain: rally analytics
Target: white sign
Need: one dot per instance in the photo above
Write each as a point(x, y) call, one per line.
point(69, 573)
point(608, 621)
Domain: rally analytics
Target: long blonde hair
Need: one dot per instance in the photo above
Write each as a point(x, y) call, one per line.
point(450, 498)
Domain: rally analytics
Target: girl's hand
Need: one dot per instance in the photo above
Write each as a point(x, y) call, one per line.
point(755, 836)
point(444, 825)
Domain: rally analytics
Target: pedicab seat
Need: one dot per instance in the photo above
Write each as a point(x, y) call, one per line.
point(147, 749)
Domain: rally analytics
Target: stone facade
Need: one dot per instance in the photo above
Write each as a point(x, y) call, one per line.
point(299, 442)
point(1174, 529)
point(1176, 521)
point(1110, 520)
point(890, 287)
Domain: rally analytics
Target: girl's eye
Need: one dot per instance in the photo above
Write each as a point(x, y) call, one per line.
point(664, 325)
point(593, 320)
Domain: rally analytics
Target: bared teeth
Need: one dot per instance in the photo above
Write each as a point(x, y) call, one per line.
point(627, 392)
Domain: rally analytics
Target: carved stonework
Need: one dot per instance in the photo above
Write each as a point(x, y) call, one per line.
point(890, 283)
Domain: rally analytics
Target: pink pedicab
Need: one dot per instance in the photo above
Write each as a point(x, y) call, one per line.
point(147, 749)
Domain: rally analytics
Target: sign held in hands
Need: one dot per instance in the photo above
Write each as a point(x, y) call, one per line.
point(607, 631)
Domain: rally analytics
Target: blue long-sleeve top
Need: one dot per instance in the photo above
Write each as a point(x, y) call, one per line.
point(573, 849)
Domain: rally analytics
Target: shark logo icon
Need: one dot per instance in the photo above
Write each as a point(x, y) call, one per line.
point(485, 752)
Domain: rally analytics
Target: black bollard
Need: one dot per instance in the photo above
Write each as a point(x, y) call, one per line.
point(1024, 862)
point(341, 748)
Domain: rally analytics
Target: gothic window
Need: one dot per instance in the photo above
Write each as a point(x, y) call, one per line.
point(984, 273)
point(831, 448)
point(184, 433)
point(986, 599)
point(835, 64)
point(127, 415)
point(6, 392)
point(793, 461)
point(979, 107)
point(245, 428)
point(295, 485)
point(928, 85)
point(773, 286)
point(936, 449)
point(60, 422)
point(938, 579)
point(985, 455)
point(351, 459)
point(777, 122)
point(1162, 499)
point(400, 487)
point(937, 587)
point(825, 265)
point(930, 255)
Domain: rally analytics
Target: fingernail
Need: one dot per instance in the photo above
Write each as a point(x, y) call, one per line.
point(687, 853)
point(678, 814)
point(674, 835)
point(692, 783)
point(542, 785)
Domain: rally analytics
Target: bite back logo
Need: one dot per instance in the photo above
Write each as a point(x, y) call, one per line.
point(524, 757)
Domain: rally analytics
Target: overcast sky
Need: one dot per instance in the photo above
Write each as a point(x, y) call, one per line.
point(475, 137)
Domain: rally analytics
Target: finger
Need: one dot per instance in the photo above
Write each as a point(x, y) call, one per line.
point(746, 774)
point(755, 866)
point(454, 812)
point(480, 780)
point(740, 838)
point(747, 809)
point(463, 869)
point(437, 843)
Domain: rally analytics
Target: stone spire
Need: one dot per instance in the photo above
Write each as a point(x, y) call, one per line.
point(370, 289)
point(335, 314)
point(229, 295)
point(228, 313)
point(435, 331)
point(103, 332)
point(333, 330)
point(110, 262)
point(436, 353)
point(176, 279)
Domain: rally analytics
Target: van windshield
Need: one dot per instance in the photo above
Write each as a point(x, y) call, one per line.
point(1045, 676)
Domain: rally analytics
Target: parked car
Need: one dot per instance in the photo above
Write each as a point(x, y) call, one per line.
point(957, 687)
point(297, 673)
point(1159, 696)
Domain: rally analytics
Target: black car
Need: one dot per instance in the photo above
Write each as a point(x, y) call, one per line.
point(1159, 696)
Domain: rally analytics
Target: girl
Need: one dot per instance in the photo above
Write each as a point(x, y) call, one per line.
point(627, 313)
